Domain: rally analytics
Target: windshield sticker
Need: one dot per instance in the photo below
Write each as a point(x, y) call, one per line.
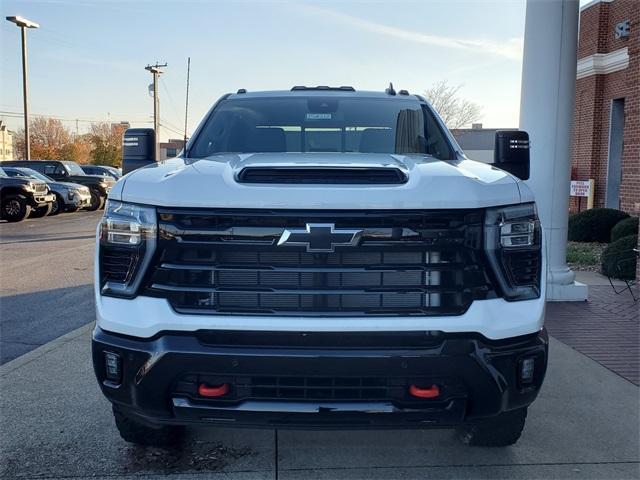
point(318, 116)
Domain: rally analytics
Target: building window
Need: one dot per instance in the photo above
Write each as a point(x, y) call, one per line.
point(172, 152)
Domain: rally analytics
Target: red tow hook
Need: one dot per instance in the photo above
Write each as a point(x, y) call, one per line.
point(205, 390)
point(424, 392)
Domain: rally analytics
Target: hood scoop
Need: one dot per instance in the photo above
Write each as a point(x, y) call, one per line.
point(323, 175)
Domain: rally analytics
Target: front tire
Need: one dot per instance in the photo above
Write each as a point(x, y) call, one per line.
point(42, 211)
point(57, 205)
point(97, 201)
point(500, 431)
point(135, 432)
point(15, 208)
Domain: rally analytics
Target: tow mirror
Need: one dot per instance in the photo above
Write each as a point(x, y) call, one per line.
point(138, 148)
point(511, 152)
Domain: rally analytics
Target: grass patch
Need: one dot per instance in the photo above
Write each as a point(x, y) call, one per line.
point(585, 255)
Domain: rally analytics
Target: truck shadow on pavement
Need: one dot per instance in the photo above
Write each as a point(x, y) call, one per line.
point(28, 320)
point(189, 455)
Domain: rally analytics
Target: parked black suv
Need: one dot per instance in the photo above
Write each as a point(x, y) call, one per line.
point(21, 197)
point(104, 170)
point(68, 171)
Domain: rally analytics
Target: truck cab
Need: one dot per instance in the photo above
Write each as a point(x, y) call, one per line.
point(325, 258)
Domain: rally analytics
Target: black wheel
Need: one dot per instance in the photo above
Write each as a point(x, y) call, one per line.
point(57, 206)
point(133, 431)
point(42, 211)
point(97, 201)
point(15, 208)
point(500, 431)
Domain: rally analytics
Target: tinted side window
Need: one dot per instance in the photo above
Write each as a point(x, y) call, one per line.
point(51, 169)
point(37, 166)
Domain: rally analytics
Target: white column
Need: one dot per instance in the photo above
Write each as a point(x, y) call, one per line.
point(546, 112)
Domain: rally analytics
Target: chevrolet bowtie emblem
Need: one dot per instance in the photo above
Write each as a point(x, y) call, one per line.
point(320, 237)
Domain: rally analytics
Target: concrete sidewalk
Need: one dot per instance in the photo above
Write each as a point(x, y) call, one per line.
point(55, 424)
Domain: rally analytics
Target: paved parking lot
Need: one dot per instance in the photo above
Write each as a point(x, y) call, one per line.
point(45, 279)
point(55, 424)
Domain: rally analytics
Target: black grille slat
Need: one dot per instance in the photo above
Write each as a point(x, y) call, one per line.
point(407, 263)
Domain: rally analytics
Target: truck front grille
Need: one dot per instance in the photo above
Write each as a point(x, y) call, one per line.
point(405, 263)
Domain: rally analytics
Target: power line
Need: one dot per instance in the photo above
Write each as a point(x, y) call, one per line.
point(167, 126)
point(10, 114)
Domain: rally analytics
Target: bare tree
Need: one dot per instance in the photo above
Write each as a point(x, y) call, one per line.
point(456, 112)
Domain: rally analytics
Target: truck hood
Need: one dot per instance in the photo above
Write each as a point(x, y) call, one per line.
point(212, 183)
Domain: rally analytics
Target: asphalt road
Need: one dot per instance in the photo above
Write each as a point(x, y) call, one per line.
point(46, 278)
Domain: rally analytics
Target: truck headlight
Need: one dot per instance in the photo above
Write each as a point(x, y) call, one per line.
point(127, 240)
point(513, 245)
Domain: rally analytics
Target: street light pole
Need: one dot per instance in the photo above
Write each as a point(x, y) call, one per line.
point(23, 23)
point(25, 94)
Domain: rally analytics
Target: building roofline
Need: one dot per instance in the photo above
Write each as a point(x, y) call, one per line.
point(593, 3)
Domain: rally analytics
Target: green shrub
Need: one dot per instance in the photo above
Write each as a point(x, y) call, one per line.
point(594, 225)
point(619, 259)
point(624, 228)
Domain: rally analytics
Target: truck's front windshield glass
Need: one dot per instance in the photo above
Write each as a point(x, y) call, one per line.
point(73, 168)
point(321, 124)
point(27, 172)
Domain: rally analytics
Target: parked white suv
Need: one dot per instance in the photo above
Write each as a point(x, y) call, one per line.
point(324, 258)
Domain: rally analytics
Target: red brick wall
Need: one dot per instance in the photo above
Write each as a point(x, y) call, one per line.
point(593, 103)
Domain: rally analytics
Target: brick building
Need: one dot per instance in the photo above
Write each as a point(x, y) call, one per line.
point(606, 137)
point(171, 148)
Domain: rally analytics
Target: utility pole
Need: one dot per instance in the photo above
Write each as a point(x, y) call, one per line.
point(23, 23)
point(155, 70)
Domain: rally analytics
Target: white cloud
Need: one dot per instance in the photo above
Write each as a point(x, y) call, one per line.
point(510, 48)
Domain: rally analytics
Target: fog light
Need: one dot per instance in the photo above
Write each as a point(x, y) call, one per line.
point(113, 366)
point(527, 366)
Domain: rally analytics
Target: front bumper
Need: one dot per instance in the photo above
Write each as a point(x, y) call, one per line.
point(477, 378)
point(78, 201)
point(41, 200)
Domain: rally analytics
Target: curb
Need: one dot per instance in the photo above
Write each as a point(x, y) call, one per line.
point(29, 357)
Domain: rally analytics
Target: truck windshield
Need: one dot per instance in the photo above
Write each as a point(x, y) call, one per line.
point(73, 168)
point(27, 172)
point(321, 124)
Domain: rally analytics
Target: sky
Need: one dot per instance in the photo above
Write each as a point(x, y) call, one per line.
point(87, 59)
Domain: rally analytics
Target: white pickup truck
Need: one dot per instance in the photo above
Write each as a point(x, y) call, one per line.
point(321, 258)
